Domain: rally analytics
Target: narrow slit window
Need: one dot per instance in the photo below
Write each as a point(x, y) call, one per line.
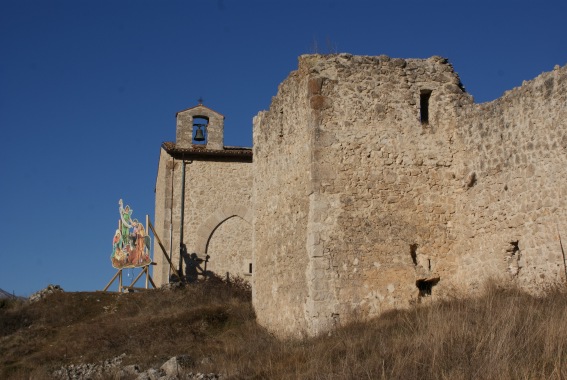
point(413, 253)
point(250, 268)
point(424, 106)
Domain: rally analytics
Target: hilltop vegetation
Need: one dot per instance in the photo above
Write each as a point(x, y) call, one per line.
point(505, 334)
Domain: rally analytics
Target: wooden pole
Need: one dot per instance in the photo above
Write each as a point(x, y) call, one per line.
point(120, 281)
point(147, 270)
point(111, 281)
point(152, 281)
point(149, 278)
point(164, 251)
point(139, 275)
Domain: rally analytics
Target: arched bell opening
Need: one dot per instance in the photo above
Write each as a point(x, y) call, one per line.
point(200, 130)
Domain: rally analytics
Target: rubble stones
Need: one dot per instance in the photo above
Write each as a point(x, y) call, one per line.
point(45, 292)
point(89, 370)
point(176, 368)
point(176, 364)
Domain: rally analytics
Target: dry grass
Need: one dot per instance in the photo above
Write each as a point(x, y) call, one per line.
point(505, 334)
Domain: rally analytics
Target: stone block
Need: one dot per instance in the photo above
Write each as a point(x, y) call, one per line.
point(319, 102)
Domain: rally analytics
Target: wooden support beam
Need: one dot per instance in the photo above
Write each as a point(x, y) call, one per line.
point(111, 281)
point(120, 288)
point(165, 251)
point(145, 270)
point(139, 275)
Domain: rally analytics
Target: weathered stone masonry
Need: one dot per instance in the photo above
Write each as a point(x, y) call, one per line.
point(375, 182)
point(366, 201)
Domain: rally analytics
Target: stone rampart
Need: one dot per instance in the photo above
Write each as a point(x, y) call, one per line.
point(282, 159)
point(378, 182)
point(509, 217)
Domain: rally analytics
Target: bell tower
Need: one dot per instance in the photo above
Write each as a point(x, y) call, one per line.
point(200, 126)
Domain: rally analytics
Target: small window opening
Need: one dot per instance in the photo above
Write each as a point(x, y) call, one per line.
point(513, 257)
point(413, 253)
point(250, 268)
point(200, 131)
point(426, 285)
point(471, 180)
point(424, 106)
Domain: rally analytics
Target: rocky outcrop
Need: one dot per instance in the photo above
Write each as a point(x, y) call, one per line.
point(45, 292)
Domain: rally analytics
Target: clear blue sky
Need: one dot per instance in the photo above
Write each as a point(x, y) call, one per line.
point(89, 91)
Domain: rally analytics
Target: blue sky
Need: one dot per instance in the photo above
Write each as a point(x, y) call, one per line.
point(89, 91)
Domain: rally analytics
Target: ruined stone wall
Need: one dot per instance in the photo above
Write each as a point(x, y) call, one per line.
point(509, 217)
point(390, 208)
point(217, 191)
point(282, 159)
point(384, 183)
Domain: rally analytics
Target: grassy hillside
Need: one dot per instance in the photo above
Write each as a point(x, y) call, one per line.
point(505, 334)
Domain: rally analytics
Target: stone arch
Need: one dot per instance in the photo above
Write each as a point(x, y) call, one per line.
point(208, 227)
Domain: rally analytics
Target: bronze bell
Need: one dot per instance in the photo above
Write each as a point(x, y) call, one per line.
point(199, 135)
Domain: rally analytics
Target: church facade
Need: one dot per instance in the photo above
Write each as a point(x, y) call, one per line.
point(203, 201)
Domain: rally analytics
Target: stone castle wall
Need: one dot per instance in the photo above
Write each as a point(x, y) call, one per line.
point(358, 201)
point(508, 221)
point(382, 180)
point(281, 191)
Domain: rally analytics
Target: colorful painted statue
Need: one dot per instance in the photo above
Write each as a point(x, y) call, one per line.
point(125, 218)
point(130, 245)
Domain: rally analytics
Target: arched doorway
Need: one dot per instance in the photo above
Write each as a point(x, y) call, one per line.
point(230, 248)
point(226, 238)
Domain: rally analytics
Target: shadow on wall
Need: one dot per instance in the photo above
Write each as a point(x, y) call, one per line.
point(194, 266)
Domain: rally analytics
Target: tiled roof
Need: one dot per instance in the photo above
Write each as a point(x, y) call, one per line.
point(202, 151)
